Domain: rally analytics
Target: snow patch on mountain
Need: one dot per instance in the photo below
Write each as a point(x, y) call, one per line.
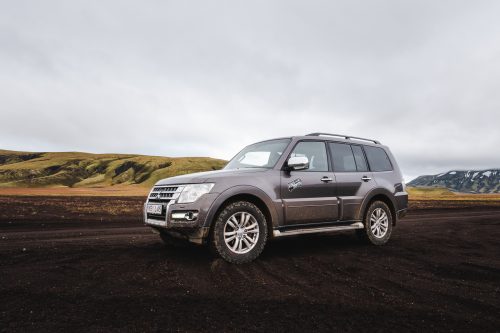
point(469, 181)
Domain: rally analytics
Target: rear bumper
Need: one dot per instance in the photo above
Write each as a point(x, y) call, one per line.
point(401, 204)
point(402, 213)
point(401, 200)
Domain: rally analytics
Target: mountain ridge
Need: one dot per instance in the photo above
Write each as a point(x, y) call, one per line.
point(467, 181)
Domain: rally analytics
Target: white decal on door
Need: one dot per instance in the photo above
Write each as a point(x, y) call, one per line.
point(295, 184)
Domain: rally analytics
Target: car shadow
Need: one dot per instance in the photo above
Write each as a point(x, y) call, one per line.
point(286, 247)
point(313, 244)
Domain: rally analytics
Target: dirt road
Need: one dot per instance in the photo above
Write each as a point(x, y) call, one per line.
point(440, 272)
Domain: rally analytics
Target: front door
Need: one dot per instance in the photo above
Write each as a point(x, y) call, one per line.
point(309, 195)
point(354, 180)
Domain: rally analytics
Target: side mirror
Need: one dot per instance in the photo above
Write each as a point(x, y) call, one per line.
point(298, 163)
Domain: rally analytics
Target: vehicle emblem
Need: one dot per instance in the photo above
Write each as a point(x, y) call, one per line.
point(295, 184)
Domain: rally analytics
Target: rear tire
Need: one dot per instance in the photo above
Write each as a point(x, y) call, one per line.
point(240, 232)
point(378, 224)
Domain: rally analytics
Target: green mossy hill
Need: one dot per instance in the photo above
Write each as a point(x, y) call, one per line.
point(73, 169)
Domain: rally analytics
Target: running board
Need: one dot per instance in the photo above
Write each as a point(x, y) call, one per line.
point(354, 226)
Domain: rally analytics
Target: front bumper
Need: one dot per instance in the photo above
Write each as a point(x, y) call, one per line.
point(187, 219)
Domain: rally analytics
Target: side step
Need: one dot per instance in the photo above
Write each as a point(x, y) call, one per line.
point(354, 226)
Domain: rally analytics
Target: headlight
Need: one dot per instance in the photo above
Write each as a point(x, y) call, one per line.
point(192, 192)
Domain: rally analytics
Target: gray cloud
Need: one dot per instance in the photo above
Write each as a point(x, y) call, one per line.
point(208, 77)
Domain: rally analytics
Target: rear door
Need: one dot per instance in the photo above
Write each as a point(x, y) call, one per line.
point(309, 195)
point(354, 180)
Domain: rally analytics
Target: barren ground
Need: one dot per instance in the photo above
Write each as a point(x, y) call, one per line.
point(88, 264)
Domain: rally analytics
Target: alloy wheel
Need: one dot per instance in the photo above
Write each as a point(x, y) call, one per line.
point(379, 223)
point(241, 232)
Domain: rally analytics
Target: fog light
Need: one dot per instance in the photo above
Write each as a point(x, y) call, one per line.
point(187, 216)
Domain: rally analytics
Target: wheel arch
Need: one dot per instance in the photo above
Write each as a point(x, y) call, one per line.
point(379, 195)
point(244, 193)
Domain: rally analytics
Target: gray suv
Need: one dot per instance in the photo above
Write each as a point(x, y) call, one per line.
point(288, 186)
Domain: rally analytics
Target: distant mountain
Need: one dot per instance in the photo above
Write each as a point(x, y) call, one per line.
point(72, 169)
point(471, 181)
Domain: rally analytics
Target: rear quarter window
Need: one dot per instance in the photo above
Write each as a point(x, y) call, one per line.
point(378, 159)
point(359, 157)
point(343, 158)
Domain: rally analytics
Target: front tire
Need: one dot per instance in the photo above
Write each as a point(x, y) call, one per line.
point(240, 232)
point(378, 224)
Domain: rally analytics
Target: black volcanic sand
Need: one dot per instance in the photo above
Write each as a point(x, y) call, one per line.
point(439, 272)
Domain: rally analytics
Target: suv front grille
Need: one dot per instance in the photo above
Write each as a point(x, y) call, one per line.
point(160, 195)
point(163, 195)
point(165, 188)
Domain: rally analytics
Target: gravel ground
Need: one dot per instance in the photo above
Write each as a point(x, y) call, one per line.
point(439, 272)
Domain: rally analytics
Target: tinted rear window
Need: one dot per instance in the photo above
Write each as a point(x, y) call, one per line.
point(378, 159)
point(343, 159)
point(359, 157)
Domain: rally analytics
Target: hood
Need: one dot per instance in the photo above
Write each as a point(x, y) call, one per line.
point(208, 177)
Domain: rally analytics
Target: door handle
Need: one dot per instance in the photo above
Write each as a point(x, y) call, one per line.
point(365, 178)
point(326, 179)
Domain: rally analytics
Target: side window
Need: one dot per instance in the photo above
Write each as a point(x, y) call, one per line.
point(359, 157)
point(378, 159)
point(343, 159)
point(316, 153)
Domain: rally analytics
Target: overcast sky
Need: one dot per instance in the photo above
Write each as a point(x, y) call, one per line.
point(205, 78)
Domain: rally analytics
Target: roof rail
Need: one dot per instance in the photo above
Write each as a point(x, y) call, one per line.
point(347, 137)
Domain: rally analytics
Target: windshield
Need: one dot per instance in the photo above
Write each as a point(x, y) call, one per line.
point(260, 155)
